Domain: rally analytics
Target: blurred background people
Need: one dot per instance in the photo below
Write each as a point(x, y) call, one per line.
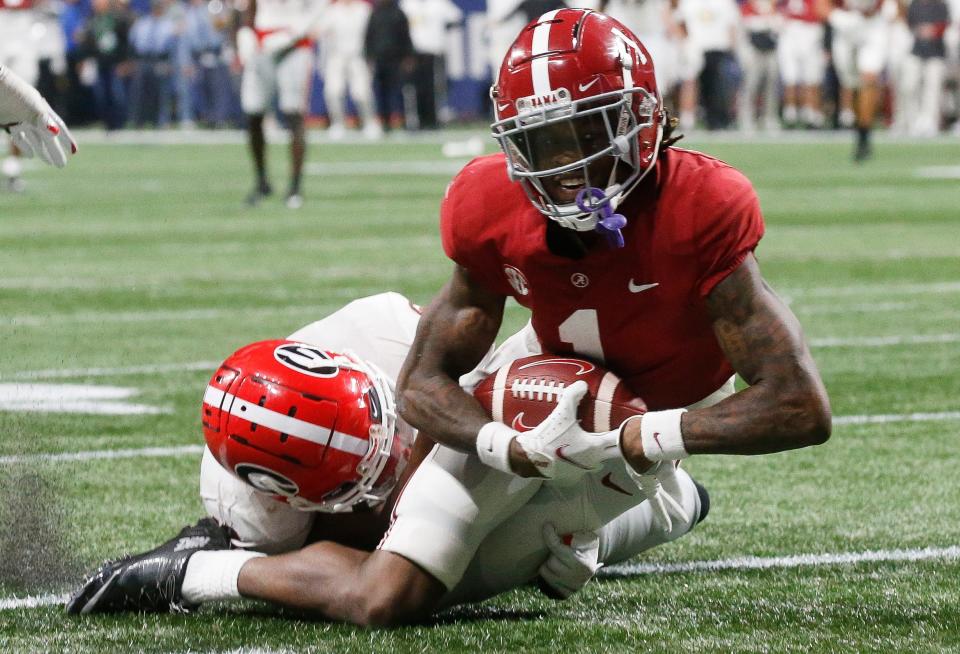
point(859, 47)
point(652, 22)
point(928, 21)
point(429, 22)
point(153, 44)
point(105, 45)
point(389, 51)
point(710, 29)
point(801, 58)
point(205, 70)
point(344, 26)
point(278, 56)
point(760, 92)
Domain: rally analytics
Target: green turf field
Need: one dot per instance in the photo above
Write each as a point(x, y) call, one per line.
point(137, 267)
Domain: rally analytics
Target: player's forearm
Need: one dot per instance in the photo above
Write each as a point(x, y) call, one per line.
point(786, 405)
point(456, 331)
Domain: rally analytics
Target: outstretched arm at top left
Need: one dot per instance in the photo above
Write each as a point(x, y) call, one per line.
point(34, 127)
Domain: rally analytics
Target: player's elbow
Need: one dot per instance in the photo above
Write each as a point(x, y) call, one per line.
point(808, 414)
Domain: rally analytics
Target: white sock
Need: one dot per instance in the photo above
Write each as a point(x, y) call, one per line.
point(212, 575)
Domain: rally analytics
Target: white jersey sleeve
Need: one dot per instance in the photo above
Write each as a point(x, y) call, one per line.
point(379, 328)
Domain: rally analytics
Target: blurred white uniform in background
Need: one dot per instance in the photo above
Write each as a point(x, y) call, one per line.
point(268, 66)
point(861, 33)
point(652, 22)
point(802, 61)
point(19, 53)
point(343, 66)
point(757, 53)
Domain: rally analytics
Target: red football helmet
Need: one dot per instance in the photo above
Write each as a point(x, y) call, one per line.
point(577, 107)
point(315, 428)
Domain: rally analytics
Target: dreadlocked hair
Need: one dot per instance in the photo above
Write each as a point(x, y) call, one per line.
point(670, 124)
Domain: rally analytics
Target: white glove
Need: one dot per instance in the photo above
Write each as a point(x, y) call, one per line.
point(661, 487)
point(560, 448)
point(570, 565)
point(34, 127)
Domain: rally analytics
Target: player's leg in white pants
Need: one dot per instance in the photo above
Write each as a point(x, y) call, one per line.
point(931, 90)
point(606, 502)
point(335, 91)
point(361, 90)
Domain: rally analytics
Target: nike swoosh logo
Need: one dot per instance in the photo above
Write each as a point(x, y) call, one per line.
point(639, 288)
point(560, 455)
point(656, 437)
point(583, 366)
point(518, 424)
point(584, 87)
point(609, 483)
point(501, 107)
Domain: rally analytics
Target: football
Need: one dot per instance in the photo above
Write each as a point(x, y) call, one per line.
point(524, 392)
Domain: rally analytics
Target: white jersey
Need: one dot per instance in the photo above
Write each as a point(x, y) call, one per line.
point(292, 15)
point(645, 18)
point(379, 328)
point(343, 27)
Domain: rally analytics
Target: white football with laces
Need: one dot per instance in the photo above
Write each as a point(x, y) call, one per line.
point(522, 393)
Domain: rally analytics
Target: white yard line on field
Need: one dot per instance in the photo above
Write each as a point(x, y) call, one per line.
point(94, 455)
point(883, 418)
point(67, 373)
point(793, 561)
point(884, 341)
point(738, 563)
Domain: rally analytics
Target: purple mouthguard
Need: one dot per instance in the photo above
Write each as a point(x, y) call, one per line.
point(590, 199)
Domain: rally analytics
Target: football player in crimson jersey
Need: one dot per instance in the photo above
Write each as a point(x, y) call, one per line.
point(666, 292)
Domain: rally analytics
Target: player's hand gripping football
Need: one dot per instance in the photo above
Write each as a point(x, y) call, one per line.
point(34, 127)
point(573, 561)
point(660, 486)
point(560, 448)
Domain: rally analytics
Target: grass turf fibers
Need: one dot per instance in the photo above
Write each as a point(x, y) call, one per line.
point(140, 255)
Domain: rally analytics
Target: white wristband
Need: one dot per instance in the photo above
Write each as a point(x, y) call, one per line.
point(493, 445)
point(660, 435)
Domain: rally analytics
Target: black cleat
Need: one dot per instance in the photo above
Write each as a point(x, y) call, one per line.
point(704, 501)
point(863, 149)
point(151, 581)
point(259, 192)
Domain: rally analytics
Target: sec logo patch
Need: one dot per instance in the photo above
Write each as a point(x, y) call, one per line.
point(517, 280)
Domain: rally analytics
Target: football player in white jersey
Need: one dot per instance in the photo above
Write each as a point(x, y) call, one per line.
point(34, 128)
point(861, 35)
point(275, 46)
point(264, 495)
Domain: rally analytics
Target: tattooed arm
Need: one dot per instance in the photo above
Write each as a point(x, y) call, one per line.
point(786, 405)
point(456, 330)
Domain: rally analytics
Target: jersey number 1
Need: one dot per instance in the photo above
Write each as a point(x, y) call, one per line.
point(582, 331)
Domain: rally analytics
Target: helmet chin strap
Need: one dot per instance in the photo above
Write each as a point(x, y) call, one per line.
point(591, 200)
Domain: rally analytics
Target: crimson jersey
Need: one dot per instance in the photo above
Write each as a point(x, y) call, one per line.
point(16, 4)
point(641, 308)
